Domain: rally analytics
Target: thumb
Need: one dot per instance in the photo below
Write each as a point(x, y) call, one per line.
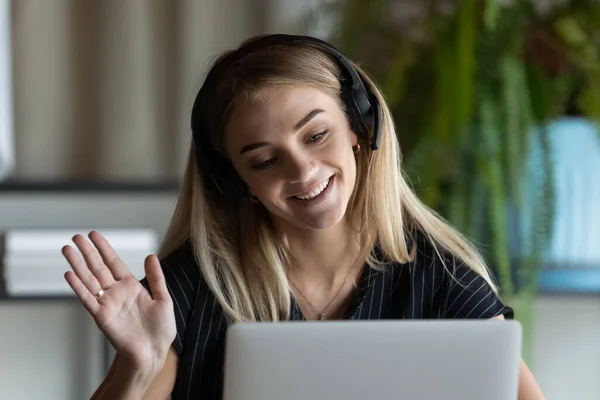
point(156, 278)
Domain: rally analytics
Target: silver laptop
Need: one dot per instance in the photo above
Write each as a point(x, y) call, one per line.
point(360, 360)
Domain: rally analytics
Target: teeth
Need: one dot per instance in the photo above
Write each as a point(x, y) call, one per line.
point(317, 191)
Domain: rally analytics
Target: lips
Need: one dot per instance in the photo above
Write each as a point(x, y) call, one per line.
point(314, 192)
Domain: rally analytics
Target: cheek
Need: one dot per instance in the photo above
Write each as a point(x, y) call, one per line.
point(272, 200)
point(350, 162)
point(350, 171)
point(265, 187)
point(353, 171)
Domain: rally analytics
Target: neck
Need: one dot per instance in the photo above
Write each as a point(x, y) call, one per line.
point(324, 252)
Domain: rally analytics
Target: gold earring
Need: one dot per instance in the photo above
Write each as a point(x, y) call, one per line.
point(253, 198)
point(356, 148)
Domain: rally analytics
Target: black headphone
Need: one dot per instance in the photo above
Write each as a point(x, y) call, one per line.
point(363, 109)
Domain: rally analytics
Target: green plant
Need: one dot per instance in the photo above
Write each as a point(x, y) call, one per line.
point(471, 84)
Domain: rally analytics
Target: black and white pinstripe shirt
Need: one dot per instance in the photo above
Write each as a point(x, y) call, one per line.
point(421, 289)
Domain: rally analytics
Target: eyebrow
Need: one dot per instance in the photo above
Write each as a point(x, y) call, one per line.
point(305, 120)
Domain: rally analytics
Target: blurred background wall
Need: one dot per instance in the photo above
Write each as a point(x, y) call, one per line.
point(103, 89)
point(102, 92)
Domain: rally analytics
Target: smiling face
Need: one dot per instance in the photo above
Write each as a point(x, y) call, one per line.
point(292, 145)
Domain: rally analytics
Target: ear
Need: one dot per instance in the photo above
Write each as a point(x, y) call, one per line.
point(353, 138)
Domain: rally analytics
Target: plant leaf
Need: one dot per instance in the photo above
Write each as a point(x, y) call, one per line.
point(491, 164)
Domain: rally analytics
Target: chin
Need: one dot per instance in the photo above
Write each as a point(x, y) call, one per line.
point(320, 225)
point(324, 221)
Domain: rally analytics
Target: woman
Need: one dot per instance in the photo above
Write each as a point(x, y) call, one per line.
point(293, 206)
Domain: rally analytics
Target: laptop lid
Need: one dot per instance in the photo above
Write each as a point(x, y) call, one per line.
point(352, 360)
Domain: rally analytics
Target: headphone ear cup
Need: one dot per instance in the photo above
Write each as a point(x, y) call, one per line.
point(360, 111)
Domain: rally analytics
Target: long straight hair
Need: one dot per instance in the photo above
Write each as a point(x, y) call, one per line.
point(240, 256)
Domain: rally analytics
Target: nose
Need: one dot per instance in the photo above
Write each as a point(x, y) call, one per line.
point(300, 168)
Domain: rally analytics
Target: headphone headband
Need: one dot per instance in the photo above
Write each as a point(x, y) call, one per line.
point(362, 106)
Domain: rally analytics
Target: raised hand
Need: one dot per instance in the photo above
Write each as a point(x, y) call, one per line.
point(139, 326)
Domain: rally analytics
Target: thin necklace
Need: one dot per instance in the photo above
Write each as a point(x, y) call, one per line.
point(321, 315)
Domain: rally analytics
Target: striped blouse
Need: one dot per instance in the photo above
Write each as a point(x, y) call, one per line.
point(421, 289)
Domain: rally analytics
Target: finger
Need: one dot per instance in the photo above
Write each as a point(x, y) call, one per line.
point(156, 278)
point(94, 261)
point(114, 263)
point(81, 270)
point(88, 300)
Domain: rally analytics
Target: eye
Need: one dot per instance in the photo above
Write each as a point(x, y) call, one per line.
point(317, 137)
point(264, 165)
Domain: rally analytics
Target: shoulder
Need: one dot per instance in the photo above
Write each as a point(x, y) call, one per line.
point(451, 288)
point(469, 295)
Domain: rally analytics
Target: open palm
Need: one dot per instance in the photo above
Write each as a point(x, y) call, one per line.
point(138, 325)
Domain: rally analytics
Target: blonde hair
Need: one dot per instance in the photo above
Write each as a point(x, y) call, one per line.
point(240, 256)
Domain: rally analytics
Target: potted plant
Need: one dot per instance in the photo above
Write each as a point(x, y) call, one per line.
point(472, 85)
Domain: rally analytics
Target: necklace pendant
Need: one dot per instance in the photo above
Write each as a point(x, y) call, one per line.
point(321, 317)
